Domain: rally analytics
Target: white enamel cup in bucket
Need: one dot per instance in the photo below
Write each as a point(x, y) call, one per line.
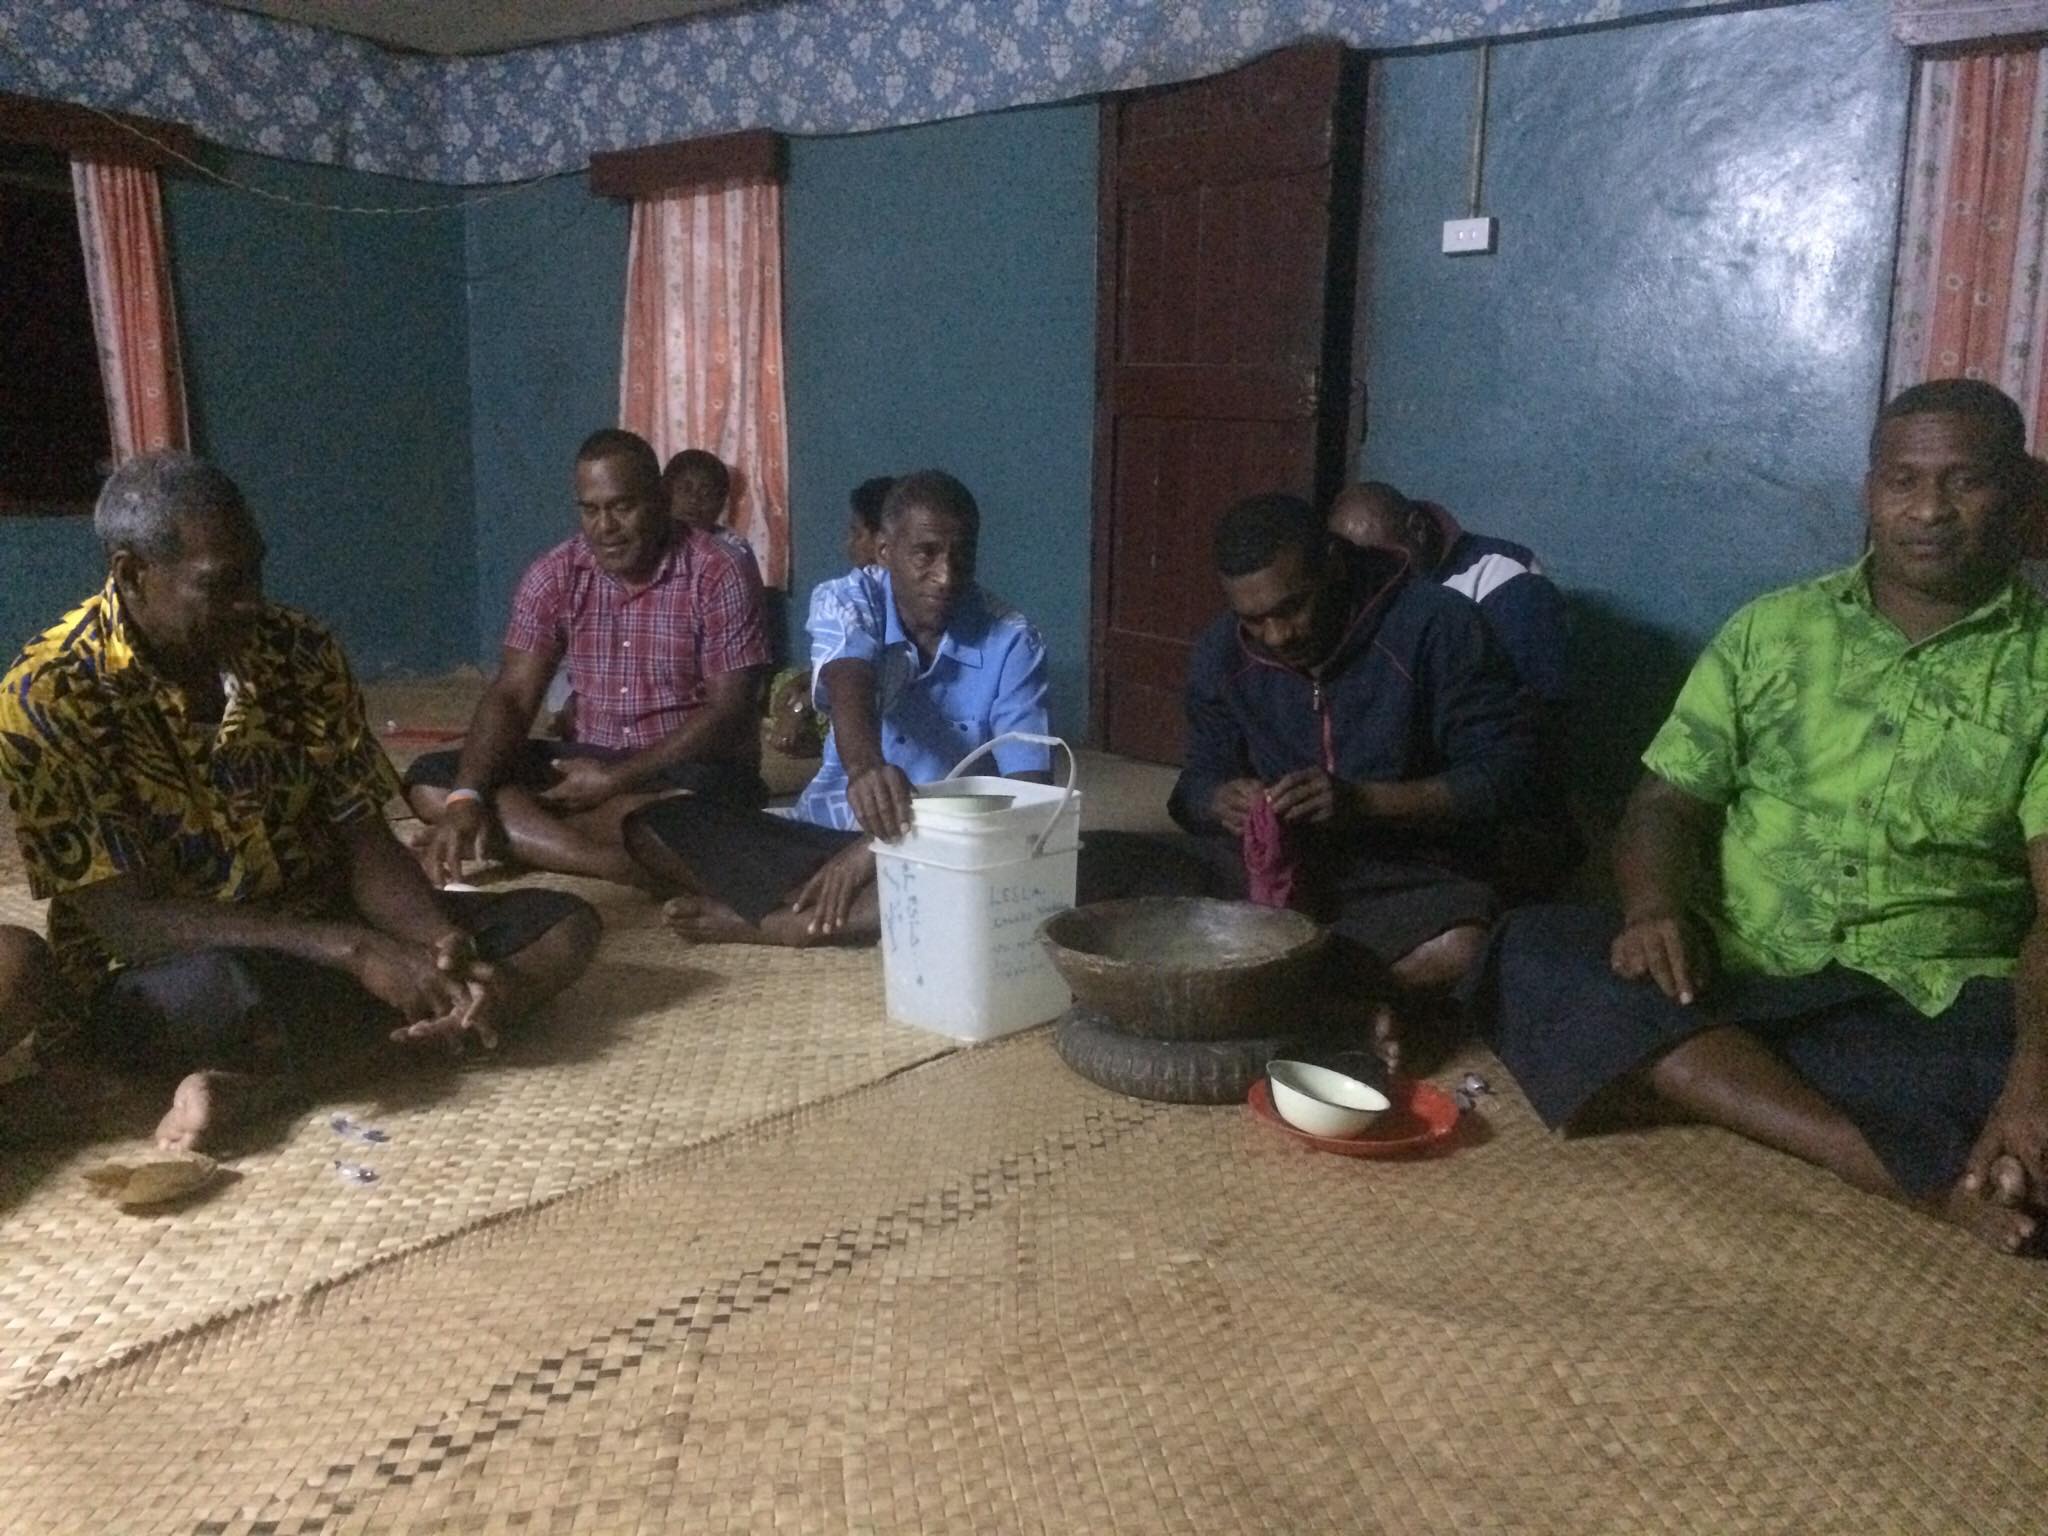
point(963, 893)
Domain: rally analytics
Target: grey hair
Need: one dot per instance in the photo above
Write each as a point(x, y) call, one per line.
point(935, 491)
point(144, 501)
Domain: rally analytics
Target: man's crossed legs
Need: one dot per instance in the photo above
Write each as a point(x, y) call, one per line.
point(1834, 1068)
point(238, 1030)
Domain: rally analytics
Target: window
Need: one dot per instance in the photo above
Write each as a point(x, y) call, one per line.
point(54, 438)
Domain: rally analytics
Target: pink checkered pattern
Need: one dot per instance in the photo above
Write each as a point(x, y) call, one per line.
point(639, 660)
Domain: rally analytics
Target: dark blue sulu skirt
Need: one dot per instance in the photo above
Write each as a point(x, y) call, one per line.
point(1918, 1088)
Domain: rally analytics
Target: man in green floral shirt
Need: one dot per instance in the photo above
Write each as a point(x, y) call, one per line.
point(1831, 875)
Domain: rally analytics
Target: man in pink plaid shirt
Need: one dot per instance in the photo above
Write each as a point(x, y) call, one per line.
point(662, 627)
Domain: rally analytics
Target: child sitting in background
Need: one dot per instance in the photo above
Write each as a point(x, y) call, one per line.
point(795, 728)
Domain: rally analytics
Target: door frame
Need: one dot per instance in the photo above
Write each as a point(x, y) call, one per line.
point(1340, 413)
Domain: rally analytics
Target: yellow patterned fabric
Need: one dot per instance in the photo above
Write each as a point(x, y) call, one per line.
point(109, 774)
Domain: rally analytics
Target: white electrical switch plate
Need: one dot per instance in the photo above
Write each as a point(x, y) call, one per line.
point(1470, 237)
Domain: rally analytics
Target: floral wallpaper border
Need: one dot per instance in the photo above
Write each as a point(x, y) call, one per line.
point(799, 66)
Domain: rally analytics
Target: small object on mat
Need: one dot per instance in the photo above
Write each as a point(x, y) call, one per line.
point(1470, 1090)
point(355, 1173)
point(156, 1178)
point(457, 885)
point(355, 1130)
point(1422, 1119)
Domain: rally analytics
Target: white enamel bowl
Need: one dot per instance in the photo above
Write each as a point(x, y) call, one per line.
point(1322, 1102)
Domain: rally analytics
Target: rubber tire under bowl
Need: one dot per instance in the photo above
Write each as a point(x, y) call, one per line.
point(1168, 1071)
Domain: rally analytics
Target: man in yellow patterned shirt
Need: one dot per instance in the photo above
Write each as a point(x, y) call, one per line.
point(196, 787)
point(1831, 937)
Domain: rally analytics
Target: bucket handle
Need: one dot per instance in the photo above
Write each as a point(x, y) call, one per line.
point(1073, 775)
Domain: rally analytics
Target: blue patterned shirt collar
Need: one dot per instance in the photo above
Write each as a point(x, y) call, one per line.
point(966, 625)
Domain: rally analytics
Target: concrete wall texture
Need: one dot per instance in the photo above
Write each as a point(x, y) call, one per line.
point(1664, 381)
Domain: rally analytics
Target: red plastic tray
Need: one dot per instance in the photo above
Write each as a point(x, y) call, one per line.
point(1422, 1117)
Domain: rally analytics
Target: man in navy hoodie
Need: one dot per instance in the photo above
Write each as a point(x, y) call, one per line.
point(1377, 716)
point(1527, 613)
point(1523, 605)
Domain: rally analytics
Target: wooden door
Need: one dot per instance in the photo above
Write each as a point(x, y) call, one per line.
point(1227, 266)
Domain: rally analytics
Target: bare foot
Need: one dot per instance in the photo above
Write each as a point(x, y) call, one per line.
point(1386, 1036)
point(700, 920)
point(207, 1103)
point(493, 865)
point(1337, 1020)
point(2005, 1182)
point(2003, 1227)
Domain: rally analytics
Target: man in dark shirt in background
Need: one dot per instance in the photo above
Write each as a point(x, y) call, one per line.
point(1528, 616)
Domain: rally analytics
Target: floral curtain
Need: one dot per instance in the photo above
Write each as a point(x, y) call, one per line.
point(121, 227)
point(1970, 299)
point(702, 363)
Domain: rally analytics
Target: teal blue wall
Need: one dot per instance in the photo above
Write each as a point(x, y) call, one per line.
point(941, 313)
point(939, 295)
point(325, 367)
point(326, 359)
point(1664, 380)
point(51, 563)
point(546, 299)
point(401, 397)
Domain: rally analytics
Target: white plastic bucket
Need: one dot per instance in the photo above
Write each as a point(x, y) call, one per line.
point(962, 896)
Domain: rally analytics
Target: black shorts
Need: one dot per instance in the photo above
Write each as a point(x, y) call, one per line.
point(533, 769)
point(1919, 1089)
point(749, 860)
point(212, 1007)
point(1384, 906)
point(1391, 907)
